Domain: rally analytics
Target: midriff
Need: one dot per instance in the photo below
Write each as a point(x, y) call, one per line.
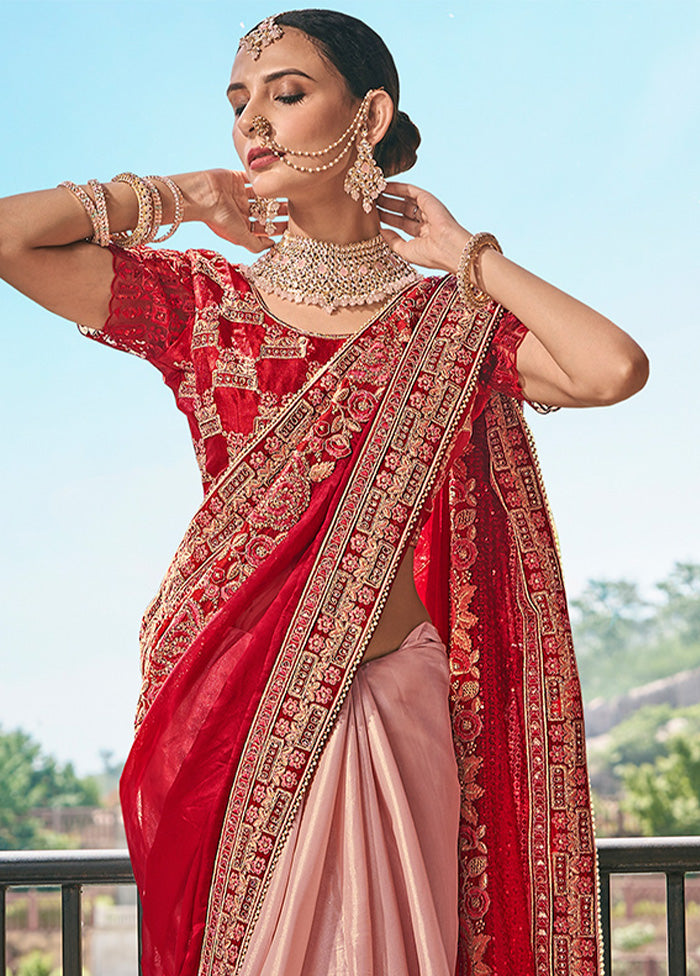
point(403, 611)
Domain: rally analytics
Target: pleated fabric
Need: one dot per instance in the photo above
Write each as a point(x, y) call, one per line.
point(366, 884)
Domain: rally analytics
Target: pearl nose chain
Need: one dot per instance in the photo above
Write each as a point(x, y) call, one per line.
point(263, 129)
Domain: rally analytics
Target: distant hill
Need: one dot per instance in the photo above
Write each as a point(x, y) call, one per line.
point(681, 690)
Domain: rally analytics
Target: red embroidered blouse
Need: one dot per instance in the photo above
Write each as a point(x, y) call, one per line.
point(232, 366)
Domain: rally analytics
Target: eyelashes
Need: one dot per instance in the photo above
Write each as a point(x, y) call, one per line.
point(285, 99)
point(290, 99)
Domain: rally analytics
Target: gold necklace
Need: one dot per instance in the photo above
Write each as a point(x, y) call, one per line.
point(311, 272)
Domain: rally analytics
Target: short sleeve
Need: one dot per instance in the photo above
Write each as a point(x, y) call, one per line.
point(500, 373)
point(151, 305)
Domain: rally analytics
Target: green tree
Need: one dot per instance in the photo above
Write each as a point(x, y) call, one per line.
point(623, 640)
point(679, 616)
point(35, 964)
point(611, 621)
point(665, 795)
point(29, 779)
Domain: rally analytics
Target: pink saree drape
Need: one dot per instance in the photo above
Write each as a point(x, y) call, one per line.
point(367, 881)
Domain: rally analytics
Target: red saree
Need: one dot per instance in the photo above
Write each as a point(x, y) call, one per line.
point(250, 648)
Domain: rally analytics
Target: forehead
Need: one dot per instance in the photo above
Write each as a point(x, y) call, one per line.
point(293, 50)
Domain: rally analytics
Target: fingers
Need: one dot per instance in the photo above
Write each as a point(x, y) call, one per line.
point(406, 207)
point(409, 225)
point(396, 242)
point(402, 189)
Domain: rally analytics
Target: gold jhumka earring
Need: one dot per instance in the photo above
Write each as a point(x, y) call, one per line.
point(364, 178)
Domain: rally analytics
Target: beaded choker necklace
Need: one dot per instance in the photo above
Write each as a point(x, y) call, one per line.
point(333, 276)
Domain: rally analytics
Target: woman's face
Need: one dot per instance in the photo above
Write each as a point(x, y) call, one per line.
point(308, 104)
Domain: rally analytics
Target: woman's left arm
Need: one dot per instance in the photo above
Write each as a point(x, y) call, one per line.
point(571, 357)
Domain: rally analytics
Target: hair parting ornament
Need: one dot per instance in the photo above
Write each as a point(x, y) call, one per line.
point(266, 33)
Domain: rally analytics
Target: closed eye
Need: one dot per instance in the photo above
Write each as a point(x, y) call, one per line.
point(290, 99)
point(285, 99)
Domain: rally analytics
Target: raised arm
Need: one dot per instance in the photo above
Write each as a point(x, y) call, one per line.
point(572, 355)
point(44, 252)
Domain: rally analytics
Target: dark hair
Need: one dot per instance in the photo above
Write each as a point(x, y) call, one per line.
point(360, 55)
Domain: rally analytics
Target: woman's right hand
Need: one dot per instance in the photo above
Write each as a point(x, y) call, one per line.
point(226, 210)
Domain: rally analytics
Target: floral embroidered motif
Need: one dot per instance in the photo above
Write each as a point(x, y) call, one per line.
point(274, 415)
point(337, 605)
point(565, 909)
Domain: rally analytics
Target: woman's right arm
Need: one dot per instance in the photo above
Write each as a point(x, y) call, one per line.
point(44, 252)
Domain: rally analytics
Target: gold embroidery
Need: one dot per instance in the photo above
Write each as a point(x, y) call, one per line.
point(205, 331)
point(284, 347)
point(332, 604)
point(566, 938)
point(207, 415)
point(234, 369)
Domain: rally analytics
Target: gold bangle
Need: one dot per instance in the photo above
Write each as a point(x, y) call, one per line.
point(179, 205)
point(145, 230)
point(88, 205)
point(466, 272)
point(102, 231)
point(157, 205)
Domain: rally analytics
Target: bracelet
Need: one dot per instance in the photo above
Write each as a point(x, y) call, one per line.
point(145, 229)
point(150, 210)
point(102, 235)
point(157, 204)
point(543, 408)
point(88, 205)
point(179, 205)
point(466, 272)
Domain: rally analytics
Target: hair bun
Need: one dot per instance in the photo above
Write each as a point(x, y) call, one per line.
point(397, 150)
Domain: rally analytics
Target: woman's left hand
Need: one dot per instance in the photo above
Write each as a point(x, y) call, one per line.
point(436, 239)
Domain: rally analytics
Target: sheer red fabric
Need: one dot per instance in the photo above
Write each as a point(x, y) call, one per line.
point(284, 426)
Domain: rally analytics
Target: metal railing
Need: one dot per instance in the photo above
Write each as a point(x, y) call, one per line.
point(69, 870)
point(673, 857)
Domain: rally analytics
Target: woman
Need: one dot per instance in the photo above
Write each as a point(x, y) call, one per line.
point(347, 759)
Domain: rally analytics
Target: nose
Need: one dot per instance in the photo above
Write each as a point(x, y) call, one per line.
point(244, 122)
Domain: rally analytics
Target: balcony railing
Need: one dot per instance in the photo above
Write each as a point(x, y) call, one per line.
point(71, 870)
point(673, 857)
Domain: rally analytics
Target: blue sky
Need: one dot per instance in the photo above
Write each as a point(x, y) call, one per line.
point(569, 129)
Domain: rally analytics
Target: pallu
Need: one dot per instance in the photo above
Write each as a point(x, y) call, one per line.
point(252, 647)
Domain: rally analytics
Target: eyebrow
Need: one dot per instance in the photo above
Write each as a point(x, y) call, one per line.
point(273, 76)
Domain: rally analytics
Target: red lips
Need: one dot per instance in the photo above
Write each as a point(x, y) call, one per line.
point(258, 152)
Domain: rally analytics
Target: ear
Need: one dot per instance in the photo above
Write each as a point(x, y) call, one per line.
point(380, 116)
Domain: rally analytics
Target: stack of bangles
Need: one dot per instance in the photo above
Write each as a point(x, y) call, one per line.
point(150, 210)
point(466, 272)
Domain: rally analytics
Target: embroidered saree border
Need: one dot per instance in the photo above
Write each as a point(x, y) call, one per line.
point(565, 914)
point(246, 514)
point(466, 709)
point(403, 455)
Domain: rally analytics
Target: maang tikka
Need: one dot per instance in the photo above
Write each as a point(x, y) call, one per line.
point(266, 33)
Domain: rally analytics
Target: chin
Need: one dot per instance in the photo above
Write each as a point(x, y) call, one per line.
point(266, 185)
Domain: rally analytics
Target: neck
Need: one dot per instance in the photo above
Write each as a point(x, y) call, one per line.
point(337, 220)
